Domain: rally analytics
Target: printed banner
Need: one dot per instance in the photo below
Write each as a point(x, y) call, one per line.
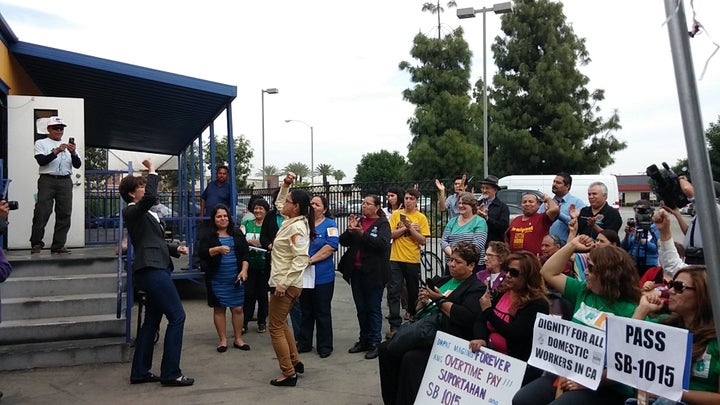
point(455, 375)
point(568, 349)
point(649, 356)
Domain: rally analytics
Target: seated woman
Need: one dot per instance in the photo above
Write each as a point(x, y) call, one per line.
point(690, 307)
point(610, 286)
point(507, 322)
point(465, 227)
point(495, 256)
point(457, 297)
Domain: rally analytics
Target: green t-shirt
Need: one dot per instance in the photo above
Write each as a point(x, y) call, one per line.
point(256, 259)
point(705, 372)
point(445, 289)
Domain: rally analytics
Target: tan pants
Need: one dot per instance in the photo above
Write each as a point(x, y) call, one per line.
point(281, 335)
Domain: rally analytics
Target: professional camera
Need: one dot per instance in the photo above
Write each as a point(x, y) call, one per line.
point(643, 217)
point(13, 205)
point(666, 184)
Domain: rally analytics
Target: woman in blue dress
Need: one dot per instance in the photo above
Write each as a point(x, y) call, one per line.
point(315, 302)
point(225, 252)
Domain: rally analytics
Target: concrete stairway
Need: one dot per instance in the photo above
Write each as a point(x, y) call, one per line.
point(61, 310)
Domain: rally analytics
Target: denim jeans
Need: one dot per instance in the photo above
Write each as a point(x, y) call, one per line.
point(162, 298)
point(315, 305)
point(282, 339)
point(368, 303)
point(399, 271)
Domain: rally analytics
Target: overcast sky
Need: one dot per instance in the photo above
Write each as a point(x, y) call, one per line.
point(335, 64)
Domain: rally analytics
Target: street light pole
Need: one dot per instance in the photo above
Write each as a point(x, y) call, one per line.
point(312, 149)
point(262, 106)
point(469, 12)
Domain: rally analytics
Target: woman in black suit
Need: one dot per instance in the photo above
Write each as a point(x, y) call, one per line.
point(457, 298)
point(366, 265)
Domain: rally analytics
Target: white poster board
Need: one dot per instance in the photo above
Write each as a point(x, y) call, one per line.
point(568, 349)
point(649, 356)
point(455, 375)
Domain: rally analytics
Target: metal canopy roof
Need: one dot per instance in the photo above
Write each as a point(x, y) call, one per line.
point(126, 106)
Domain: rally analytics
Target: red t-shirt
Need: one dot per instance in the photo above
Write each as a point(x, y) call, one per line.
point(528, 234)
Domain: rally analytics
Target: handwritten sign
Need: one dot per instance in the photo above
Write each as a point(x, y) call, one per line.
point(456, 375)
point(568, 349)
point(649, 356)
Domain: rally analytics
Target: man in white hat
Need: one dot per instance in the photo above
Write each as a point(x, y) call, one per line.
point(56, 159)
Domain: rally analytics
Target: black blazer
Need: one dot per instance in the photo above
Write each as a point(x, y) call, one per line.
point(465, 309)
point(374, 247)
point(146, 233)
point(211, 264)
point(498, 220)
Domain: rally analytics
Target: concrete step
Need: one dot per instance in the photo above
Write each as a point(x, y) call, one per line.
point(64, 353)
point(63, 265)
point(56, 329)
point(59, 306)
point(42, 286)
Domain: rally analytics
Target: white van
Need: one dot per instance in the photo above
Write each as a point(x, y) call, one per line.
point(580, 184)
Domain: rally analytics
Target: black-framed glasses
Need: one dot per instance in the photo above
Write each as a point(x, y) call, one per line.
point(513, 272)
point(58, 128)
point(679, 286)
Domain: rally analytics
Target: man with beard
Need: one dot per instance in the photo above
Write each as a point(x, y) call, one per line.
point(561, 188)
point(495, 212)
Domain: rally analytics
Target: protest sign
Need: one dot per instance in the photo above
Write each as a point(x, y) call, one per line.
point(455, 375)
point(649, 356)
point(568, 349)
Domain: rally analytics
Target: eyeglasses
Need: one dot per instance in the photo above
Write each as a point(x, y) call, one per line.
point(58, 128)
point(680, 286)
point(513, 272)
point(488, 254)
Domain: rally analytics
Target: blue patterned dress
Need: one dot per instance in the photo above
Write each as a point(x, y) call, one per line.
point(222, 283)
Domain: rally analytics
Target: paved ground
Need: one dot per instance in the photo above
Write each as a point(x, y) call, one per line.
point(231, 377)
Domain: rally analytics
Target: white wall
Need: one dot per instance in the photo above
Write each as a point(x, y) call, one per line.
point(23, 168)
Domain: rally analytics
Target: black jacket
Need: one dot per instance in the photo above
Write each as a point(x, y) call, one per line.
point(211, 264)
point(498, 220)
point(374, 247)
point(465, 309)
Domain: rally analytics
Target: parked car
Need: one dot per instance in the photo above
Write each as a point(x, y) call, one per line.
point(338, 209)
point(354, 206)
point(688, 210)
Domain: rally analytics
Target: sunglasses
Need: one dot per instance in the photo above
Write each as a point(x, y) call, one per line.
point(58, 128)
point(513, 272)
point(679, 286)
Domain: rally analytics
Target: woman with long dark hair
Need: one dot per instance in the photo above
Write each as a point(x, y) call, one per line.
point(393, 200)
point(289, 260)
point(224, 251)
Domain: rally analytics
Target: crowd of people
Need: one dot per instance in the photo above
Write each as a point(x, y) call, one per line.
point(559, 257)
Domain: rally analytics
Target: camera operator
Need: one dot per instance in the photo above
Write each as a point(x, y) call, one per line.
point(693, 240)
point(5, 267)
point(641, 237)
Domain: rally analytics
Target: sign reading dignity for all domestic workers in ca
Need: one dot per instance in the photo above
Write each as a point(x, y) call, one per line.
point(455, 375)
point(649, 356)
point(568, 349)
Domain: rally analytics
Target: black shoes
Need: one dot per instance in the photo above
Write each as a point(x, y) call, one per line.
point(149, 378)
point(36, 249)
point(285, 382)
point(181, 381)
point(304, 349)
point(262, 328)
point(359, 347)
point(222, 349)
point(243, 346)
point(299, 367)
point(61, 251)
point(324, 354)
point(372, 353)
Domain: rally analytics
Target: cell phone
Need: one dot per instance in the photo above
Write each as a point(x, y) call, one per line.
point(403, 217)
point(237, 283)
point(430, 284)
point(72, 140)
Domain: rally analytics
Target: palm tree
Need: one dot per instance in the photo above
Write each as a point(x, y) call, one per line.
point(268, 171)
point(299, 168)
point(338, 175)
point(324, 170)
point(437, 9)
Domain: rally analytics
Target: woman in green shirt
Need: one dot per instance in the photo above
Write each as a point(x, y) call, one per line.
point(256, 286)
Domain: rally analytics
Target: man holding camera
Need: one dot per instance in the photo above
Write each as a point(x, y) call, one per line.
point(641, 237)
point(56, 160)
point(693, 240)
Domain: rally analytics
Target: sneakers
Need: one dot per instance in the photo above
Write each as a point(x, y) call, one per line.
point(62, 251)
point(36, 249)
point(262, 328)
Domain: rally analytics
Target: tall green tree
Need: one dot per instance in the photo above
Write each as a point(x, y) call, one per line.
point(96, 159)
point(338, 175)
point(325, 170)
point(243, 155)
point(712, 135)
point(300, 169)
point(381, 166)
point(445, 136)
point(544, 119)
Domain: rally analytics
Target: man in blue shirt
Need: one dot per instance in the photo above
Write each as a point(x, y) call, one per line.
point(561, 188)
point(216, 192)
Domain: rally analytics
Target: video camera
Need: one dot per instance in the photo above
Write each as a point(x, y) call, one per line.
point(643, 217)
point(666, 184)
